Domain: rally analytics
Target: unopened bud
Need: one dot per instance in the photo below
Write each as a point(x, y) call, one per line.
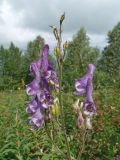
point(62, 18)
point(55, 107)
point(76, 106)
point(88, 123)
point(65, 45)
point(56, 52)
point(80, 120)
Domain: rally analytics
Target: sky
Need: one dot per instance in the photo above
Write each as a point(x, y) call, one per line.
point(22, 20)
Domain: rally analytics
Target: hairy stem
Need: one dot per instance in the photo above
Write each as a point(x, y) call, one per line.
point(60, 96)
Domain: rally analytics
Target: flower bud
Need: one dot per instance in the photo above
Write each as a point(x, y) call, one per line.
point(65, 45)
point(62, 18)
point(55, 107)
point(76, 106)
point(88, 123)
point(51, 82)
point(80, 120)
point(56, 52)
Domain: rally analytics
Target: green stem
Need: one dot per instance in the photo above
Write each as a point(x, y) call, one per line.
point(52, 140)
point(62, 112)
point(60, 64)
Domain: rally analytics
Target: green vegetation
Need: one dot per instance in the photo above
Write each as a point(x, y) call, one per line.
point(18, 141)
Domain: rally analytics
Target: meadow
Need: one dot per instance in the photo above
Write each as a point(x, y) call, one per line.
point(19, 142)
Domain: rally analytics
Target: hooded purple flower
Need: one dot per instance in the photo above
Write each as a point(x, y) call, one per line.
point(84, 86)
point(40, 89)
point(51, 78)
point(46, 97)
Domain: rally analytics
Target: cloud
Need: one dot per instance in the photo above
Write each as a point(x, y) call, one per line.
point(22, 20)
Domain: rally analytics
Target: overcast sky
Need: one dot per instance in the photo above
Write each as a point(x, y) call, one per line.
point(22, 20)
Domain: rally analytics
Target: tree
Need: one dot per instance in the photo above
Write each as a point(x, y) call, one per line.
point(78, 56)
point(33, 48)
point(2, 64)
point(10, 66)
point(110, 60)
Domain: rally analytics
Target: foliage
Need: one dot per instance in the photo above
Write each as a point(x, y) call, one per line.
point(18, 141)
point(110, 60)
point(10, 67)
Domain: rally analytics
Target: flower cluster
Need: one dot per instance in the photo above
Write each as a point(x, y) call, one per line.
point(39, 90)
point(83, 87)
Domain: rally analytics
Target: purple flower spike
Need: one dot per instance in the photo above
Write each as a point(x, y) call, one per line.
point(84, 86)
point(40, 89)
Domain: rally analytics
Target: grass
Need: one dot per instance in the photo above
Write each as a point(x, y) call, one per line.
point(19, 142)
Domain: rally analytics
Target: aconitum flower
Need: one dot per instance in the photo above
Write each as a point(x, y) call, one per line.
point(84, 86)
point(81, 84)
point(39, 90)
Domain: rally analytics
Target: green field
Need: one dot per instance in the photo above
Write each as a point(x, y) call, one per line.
point(18, 141)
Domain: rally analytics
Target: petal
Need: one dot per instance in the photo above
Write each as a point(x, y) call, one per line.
point(88, 108)
point(35, 67)
point(44, 58)
point(91, 68)
point(37, 119)
point(33, 88)
point(80, 87)
point(32, 107)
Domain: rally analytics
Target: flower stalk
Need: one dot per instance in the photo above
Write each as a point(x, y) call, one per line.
point(60, 67)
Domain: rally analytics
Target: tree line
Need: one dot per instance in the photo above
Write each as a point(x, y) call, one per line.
point(14, 64)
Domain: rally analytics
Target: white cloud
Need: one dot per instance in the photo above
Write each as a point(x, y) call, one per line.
point(97, 40)
point(22, 20)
